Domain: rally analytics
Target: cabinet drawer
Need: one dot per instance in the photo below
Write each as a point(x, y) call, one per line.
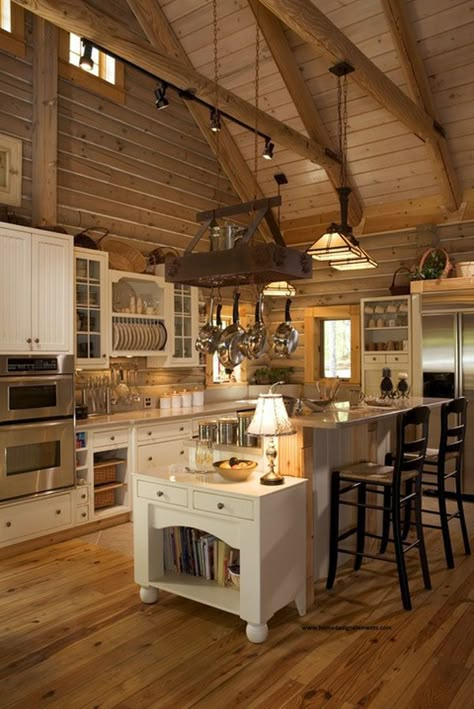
point(166, 494)
point(223, 505)
point(81, 495)
point(81, 514)
point(164, 431)
point(110, 438)
point(401, 358)
point(160, 454)
point(380, 358)
point(34, 517)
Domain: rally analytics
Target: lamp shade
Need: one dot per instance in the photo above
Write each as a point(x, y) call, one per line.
point(364, 261)
point(334, 246)
point(278, 289)
point(270, 418)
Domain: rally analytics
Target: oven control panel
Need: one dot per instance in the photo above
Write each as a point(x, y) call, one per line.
point(20, 365)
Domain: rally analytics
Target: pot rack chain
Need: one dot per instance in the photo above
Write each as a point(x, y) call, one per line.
point(342, 120)
point(216, 97)
point(257, 96)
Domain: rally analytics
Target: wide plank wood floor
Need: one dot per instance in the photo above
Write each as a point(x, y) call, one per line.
point(73, 633)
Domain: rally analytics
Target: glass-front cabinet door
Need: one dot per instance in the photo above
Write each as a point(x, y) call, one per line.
point(185, 322)
point(91, 346)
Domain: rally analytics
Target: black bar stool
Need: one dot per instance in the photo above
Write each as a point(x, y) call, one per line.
point(444, 464)
point(387, 481)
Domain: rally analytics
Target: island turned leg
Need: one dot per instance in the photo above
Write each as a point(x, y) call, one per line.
point(300, 601)
point(257, 633)
point(148, 594)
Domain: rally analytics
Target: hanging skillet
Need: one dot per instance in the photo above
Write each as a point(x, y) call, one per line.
point(229, 348)
point(209, 334)
point(254, 344)
point(286, 336)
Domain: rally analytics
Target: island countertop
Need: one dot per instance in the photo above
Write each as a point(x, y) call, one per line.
point(341, 414)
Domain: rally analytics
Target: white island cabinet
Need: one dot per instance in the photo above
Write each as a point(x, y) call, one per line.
point(36, 291)
point(267, 524)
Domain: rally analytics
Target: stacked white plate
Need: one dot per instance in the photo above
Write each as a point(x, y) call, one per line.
point(147, 336)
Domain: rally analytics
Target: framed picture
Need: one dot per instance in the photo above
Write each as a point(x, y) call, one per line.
point(10, 170)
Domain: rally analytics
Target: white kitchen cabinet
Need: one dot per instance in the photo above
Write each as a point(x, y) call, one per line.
point(267, 524)
point(92, 309)
point(35, 291)
point(184, 321)
point(162, 444)
point(390, 333)
point(26, 519)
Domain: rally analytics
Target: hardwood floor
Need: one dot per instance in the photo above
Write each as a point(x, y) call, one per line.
point(73, 633)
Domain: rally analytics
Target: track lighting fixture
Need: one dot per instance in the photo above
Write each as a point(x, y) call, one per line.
point(269, 148)
point(160, 95)
point(215, 121)
point(86, 62)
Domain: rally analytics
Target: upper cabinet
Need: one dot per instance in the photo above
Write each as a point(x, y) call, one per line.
point(92, 312)
point(36, 293)
point(184, 321)
point(391, 331)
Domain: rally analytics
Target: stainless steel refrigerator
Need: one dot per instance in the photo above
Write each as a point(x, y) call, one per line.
point(448, 370)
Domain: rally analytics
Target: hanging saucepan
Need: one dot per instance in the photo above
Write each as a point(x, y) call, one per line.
point(229, 348)
point(209, 335)
point(255, 341)
point(285, 338)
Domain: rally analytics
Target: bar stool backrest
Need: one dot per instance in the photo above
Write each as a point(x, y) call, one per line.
point(453, 434)
point(412, 439)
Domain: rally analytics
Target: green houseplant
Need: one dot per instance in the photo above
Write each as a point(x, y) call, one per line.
point(433, 264)
point(270, 375)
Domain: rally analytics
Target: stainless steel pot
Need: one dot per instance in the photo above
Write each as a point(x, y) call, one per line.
point(255, 342)
point(209, 335)
point(229, 348)
point(225, 237)
point(285, 339)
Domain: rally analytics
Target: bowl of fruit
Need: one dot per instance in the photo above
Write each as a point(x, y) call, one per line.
point(235, 470)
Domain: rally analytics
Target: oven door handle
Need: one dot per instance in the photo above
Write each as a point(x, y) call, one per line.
point(18, 427)
point(36, 379)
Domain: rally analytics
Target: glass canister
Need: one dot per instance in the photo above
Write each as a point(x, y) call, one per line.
point(243, 438)
point(207, 430)
point(227, 430)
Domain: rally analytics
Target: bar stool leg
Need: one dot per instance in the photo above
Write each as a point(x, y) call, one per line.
point(443, 514)
point(407, 517)
point(361, 501)
point(401, 567)
point(420, 536)
point(462, 519)
point(385, 520)
point(333, 529)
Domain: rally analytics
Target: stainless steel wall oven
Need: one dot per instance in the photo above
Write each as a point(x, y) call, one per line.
point(36, 424)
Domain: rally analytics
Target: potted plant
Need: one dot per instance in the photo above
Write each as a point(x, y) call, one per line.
point(433, 264)
point(270, 375)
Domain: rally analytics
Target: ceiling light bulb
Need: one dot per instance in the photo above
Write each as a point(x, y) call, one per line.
point(215, 121)
point(269, 148)
point(86, 62)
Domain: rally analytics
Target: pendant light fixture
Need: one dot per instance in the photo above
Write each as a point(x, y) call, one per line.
point(338, 244)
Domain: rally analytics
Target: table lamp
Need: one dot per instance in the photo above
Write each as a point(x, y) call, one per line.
point(271, 419)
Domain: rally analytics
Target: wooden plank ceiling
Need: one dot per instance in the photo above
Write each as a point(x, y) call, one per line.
point(414, 65)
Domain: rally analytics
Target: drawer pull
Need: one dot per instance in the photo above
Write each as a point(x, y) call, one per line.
point(181, 452)
point(83, 496)
point(29, 340)
point(8, 524)
point(150, 458)
point(84, 514)
point(160, 493)
point(374, 359)
point(149, 432)
point(58, 512)
point(181, 428)
point(112, 438)
point(37, 340)
point(220, 505)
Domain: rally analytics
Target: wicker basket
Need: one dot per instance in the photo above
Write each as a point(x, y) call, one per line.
point(447, 263)
point(104, 498)
point(122, 256)
point(400, 288)
point(105, 471)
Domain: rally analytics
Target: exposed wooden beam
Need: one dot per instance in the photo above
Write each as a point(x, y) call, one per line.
point(80, 17)
point(45, 123)
point(314, 27)
point(284, 58)
point(161, 36)
point(418, 83)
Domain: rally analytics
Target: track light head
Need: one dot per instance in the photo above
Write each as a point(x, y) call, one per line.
point(215, 121)
point(86, 62)
point(160, 95)
point(269, 148)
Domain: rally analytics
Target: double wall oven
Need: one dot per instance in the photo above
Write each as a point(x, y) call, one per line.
point(36, 424)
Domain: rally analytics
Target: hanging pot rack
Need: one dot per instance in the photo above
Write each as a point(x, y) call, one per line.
point(247, 262)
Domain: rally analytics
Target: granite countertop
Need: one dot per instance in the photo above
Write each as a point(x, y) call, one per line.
point(151, 415)
point(341, 414)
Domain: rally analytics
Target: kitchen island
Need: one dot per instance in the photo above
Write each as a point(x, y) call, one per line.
point(336, 436)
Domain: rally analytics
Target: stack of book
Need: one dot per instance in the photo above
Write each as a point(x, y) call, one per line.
point(192, 551)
